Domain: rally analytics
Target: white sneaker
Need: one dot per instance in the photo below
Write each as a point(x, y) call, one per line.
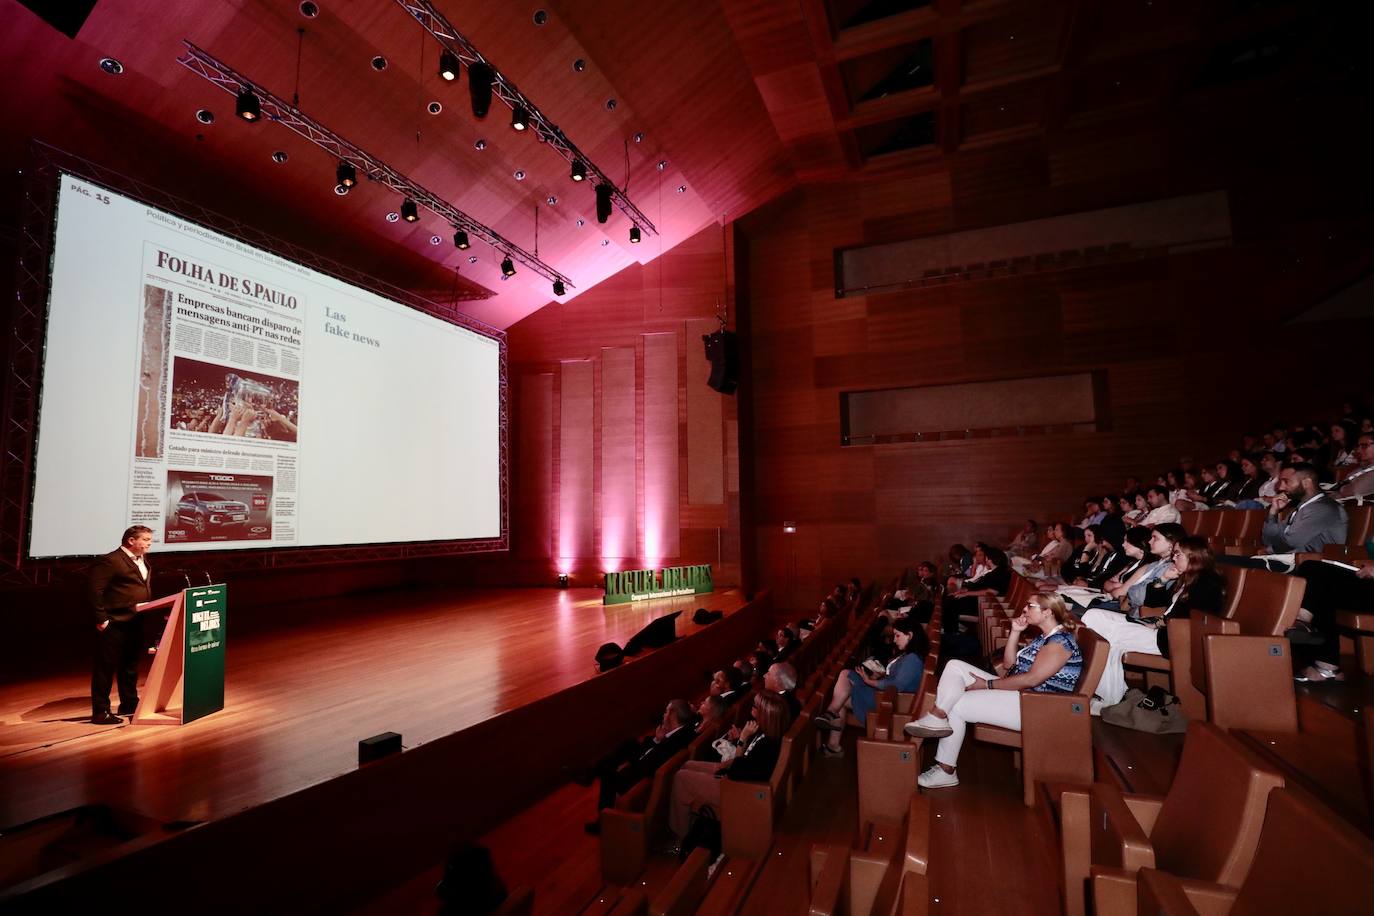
point(937, 778)
point(929, 726)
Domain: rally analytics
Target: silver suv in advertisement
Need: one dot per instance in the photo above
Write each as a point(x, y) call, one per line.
point(203, 510)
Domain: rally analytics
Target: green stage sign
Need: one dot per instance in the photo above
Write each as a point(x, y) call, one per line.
point(203, 683)
point(671, 582)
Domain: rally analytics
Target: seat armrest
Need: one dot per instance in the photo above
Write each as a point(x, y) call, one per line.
point(1168, 895)
point(1113, 891)
point(683, 893)
point(1145, 808)
point(1118, 840)
point(829, 879)
point(918, 835)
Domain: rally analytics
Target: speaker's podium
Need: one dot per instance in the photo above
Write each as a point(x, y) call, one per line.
point(187, 680)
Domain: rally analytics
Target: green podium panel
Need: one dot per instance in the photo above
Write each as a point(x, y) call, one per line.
point(203, 684)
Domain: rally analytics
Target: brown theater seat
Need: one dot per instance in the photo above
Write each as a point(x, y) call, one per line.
point(1308, 861)
point(639, 817)
point(1363, 627)
point(1055, 739)
point(1179, 663)
point(1206, 827)
point(1242, 664)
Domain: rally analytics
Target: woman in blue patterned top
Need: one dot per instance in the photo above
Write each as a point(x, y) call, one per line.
point(1049, 663)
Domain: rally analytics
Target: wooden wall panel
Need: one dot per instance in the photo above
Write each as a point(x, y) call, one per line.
point(661, 482)
point(533, 527)
point(607, 328)
point(618, 509)
point(575, 461)
point(1177, 338)
point(705, 429)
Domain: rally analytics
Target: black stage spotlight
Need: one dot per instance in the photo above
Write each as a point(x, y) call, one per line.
point(603, 202)
point(448, 65)
point(519, 117)
point(247, 106)
point(460, 240)
point(634, 235)
point(558, 288)
point(579, 171)
point(480, 77)
point(345, 174)
point(507, 267)
point(409, 211)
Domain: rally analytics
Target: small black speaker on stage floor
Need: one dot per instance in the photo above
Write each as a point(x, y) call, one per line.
point(722, 349)
point(378, 746)
point(609, 656)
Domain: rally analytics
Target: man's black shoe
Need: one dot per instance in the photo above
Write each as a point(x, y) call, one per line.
point(106, 718)
point(127, 710)
point(593, 827)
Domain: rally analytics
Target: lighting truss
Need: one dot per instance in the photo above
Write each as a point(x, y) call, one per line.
point(450, 39)
point(205, 65)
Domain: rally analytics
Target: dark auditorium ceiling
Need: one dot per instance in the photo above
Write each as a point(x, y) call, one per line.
point(743, 99)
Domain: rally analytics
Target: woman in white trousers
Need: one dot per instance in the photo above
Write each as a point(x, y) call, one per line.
point(1049, 663)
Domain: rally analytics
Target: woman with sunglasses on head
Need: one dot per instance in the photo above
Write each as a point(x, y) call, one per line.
point(1049, 663)
point(1199, 588)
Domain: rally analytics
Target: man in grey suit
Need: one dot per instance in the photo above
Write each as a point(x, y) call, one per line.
point(117, 582)
point(1316, 519)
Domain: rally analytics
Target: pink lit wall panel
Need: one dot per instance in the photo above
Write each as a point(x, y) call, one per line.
point(618, 509)
point(575, 470)
point(533, 528)
point(705, 431)
point(661, 496)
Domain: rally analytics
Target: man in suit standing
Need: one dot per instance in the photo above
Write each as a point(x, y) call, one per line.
point(118, 581)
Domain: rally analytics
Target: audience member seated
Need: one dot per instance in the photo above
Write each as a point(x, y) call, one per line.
point(1316, 519)
point(710, 712)
point(1330, 588)
point(1224, 484)
point(1058, 548)
point(1359, 484)
point(781, 678)
point(960, 562)
point(1191, 497)
point(1092, 512)
point(728, 684)
point(1200, 588)
point(633, 761)
point(1112, 524)
point(697, 784)
point(1049, 663)
point(1134, 507)
point(1026, 542)
point(1161, 512)
point(916, 600)
point(857, 690)
point(787, 642)
point(1089, 558)
point(1141, 588)
point(965, 599)
point(1247, 491)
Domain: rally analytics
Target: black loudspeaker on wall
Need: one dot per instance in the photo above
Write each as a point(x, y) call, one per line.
point(722, 349)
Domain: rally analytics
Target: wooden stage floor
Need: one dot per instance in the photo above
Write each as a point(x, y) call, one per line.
point(302, 691)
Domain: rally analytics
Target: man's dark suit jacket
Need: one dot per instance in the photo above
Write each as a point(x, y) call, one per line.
point(114, 586)
point(653, 755)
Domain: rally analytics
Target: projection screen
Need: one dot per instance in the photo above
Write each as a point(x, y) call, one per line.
point(229, 398)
